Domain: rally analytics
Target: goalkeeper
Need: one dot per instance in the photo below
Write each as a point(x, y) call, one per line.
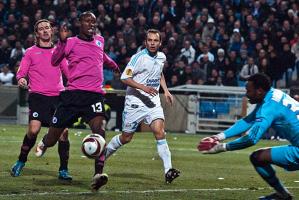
point(273, 109)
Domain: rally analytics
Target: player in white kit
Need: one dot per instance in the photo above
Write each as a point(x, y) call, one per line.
point(143, 76)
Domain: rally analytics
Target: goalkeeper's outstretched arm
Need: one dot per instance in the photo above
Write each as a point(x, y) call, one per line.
point(239, 127)
point(254, 135)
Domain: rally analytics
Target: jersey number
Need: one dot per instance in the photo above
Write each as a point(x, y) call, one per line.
point(97, 107)
point(292, 105)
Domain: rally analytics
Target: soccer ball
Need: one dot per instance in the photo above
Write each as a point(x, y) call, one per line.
point(93, 145)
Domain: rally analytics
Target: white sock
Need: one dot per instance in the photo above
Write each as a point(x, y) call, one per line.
point(164, 154)
point(112, 146)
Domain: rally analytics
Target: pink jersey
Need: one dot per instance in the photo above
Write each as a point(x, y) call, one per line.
point(43, 77)
point(85, 59)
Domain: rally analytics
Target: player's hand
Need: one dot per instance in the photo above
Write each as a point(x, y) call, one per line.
point(218, 148)
point(22, 82)
point(212, 138)
point(207, 143)
point(169, 98)
point(64, 32)
point(150, 90)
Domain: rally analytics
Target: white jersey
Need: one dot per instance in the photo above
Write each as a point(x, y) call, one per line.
point(145, 70)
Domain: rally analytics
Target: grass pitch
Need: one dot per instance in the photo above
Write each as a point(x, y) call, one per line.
point(135, 171)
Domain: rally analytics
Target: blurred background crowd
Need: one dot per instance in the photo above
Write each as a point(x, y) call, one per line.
point(212, 42)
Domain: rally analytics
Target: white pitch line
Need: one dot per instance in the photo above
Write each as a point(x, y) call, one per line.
point(134, 191)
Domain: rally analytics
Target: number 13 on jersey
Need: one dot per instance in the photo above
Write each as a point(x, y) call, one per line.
point(97, 107)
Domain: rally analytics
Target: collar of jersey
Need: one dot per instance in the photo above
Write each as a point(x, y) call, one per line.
point(87, 40)
point(269, 95)
point(148, 53)
point(45, 47)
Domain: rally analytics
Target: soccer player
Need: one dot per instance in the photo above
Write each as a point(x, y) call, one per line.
point(84, 93)
point(143, 76)
point(45, 85)
point(275, 109)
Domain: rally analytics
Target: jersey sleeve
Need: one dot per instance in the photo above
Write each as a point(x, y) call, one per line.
point(132, 67)
point(64, 68)
point(24, 66)
point(241, 125)
point(109, 62)
point(61, 51)
point(263, 120)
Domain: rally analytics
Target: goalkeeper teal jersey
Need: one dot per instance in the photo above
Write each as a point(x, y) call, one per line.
point(278, 110)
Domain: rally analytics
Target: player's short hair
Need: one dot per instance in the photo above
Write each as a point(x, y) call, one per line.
point(260, 80)
point(84, 14)
point(153, 31)
point(40, 21)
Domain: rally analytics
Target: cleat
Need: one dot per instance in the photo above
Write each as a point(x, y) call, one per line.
point(276, 196)
point(17, 168)
point(40, 149)
point(171, 175)
point(64, 175)
point(98, 181)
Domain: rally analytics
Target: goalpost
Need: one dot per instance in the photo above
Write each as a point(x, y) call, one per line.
point(211, 109)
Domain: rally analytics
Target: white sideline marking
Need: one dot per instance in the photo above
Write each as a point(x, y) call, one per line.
point(134, 191)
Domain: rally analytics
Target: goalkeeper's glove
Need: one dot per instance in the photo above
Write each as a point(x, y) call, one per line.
point(215, 138)
point(221, 147)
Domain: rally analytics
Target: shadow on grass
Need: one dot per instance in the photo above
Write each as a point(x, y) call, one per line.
point(133, 176)
point(56, 182)
point(33, 172)
point(43, 178)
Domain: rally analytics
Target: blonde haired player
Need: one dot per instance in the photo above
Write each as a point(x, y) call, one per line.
point(143, 75)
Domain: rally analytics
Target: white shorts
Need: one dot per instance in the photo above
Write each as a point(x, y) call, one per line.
point(133, 114)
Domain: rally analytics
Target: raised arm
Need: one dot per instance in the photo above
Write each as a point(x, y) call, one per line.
point(59, 52)
point(64, 68)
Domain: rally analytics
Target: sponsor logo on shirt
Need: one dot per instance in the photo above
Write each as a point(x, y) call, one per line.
point(258, 120)
point(39, 52)
point(98, 43)
point(153, 82)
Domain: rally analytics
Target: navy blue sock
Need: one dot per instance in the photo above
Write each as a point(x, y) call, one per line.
point(27, 145)
point(268, 174)
point(63, 150)
point(100, 161)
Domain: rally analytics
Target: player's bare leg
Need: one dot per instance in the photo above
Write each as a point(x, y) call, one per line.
point(261, 160)
point(116, 142)
point(97, 126)
point(28, 142)
point(157, 127)
point(48, 140)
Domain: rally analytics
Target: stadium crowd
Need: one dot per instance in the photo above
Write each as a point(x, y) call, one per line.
point(210, 42)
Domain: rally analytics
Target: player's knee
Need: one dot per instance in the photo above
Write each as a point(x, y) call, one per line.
point(64, 135)
point(50, 142)
point(97, 124)
point(160, 135)
point(126, 138)
point(256, 158)
point(33, 131)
